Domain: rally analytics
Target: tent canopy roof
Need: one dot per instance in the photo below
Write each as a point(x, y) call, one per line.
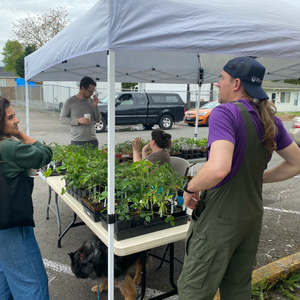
point(169, 41)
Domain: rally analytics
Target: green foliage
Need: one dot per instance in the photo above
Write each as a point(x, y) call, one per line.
point(289, 286)
point(141, 186)
point(84, 168)
point(292, 81)
point(286, 287)
point(182, 142)
point(288, 113)
point(125, 147)
point(20, 60)
point(260, 290)
point(128, 85)
point(11, 51)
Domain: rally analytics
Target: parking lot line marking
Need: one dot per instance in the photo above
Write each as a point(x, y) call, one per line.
point(283, 210)
point(58, 267)
point(61, 268)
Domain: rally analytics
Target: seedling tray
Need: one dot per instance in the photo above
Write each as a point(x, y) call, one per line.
point(145, 229)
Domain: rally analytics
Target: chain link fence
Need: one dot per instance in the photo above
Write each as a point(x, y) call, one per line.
point(50, 98)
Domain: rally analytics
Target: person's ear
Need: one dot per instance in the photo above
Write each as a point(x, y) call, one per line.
point(237, 84)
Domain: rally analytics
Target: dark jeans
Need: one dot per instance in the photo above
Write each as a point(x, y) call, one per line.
point(94, 143)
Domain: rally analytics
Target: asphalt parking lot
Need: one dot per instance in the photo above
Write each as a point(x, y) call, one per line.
point(280, 235)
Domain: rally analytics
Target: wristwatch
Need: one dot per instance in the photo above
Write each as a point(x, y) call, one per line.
point(186, 189)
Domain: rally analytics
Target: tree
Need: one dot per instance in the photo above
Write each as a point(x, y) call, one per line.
point(11, 51)
point(128, 86)
point(20, 60)
point(292, 81)
point(38, 30)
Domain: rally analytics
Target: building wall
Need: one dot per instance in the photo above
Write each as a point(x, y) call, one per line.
point(292, 105)
point(6, 82)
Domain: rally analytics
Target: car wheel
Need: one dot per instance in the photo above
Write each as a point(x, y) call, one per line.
point(207, 121)
point(101, 126)
point(166, 122)
point(148, 126)
point(191, 124)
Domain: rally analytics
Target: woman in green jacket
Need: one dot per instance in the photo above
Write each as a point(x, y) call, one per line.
point(22, 273)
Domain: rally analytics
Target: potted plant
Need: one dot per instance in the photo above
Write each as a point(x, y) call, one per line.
point(143, 191)
point(175, 149)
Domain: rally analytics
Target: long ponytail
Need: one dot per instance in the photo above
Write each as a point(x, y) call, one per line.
point(266, 112)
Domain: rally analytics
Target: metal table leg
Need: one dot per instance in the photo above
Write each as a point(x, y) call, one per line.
point(72, 224)
point(48, 205)
point(171, 274)
point(56, 211)
point(57, 214)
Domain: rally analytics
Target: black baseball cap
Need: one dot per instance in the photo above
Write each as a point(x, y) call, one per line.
point(250, 72)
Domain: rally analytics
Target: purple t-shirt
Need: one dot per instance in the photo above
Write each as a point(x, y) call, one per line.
point(226, 123)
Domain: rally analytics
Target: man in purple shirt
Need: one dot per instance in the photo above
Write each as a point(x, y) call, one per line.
point(224, 233)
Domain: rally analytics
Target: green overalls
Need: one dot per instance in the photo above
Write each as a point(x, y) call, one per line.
point(222, 243)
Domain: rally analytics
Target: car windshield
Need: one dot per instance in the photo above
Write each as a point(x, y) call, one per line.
point(210, 105)
point(105, 99)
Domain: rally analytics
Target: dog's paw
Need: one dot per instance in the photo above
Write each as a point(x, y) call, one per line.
point(95, 289)
point(137, 280)
point(101, 288)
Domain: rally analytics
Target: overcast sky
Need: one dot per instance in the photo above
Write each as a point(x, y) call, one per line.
point(12, 10)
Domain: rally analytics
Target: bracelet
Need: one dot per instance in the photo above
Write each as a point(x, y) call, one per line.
point(186, 189)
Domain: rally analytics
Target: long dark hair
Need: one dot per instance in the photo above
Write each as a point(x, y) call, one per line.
point(161, 138)
point(267, 111)
point(4, 104)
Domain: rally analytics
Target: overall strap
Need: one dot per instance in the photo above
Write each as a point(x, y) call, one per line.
point(253, 143)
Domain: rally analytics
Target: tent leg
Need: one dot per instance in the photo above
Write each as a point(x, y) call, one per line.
point(27, 109)
point(111, 169)
point(197, 115)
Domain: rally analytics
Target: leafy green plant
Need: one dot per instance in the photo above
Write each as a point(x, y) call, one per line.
point(289, 286)
point(260, 290)
point(140, 188)
point(176, 146)
point(125, 147)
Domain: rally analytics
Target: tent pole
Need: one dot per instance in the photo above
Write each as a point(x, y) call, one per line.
point(27, 109)
point(197, 114)
point(111, 170)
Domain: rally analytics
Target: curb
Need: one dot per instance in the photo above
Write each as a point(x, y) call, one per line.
point(274, 271)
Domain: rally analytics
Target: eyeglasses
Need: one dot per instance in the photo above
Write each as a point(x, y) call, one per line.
point(91, 92)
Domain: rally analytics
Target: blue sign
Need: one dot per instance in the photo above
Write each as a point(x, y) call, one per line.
point(21, 82)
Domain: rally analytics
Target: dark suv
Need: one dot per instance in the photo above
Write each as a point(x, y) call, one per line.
point(144, 108)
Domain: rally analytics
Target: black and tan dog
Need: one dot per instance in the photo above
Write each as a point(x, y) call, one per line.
point(91, 261)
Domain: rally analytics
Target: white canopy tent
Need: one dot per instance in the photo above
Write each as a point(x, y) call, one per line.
point(170, 41)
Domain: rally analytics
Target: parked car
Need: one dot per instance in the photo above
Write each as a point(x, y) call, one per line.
point(144, 108)
point(295, 130)
point(204, 114)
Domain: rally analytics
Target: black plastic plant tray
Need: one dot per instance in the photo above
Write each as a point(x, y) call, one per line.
point(148, 228)
point(96, 217)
